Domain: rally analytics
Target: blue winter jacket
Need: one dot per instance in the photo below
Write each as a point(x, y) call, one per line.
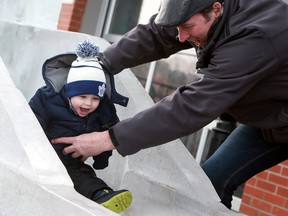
point(51, 107)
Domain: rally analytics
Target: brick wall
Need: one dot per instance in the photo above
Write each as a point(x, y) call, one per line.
point(71, 16)
point(266, 194)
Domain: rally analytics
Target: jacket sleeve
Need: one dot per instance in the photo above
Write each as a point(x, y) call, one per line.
point(144, 43)
point(229, 80)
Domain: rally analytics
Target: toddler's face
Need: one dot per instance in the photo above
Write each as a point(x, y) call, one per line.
point(85, 104)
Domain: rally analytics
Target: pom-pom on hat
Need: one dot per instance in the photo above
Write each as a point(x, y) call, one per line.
point(86, 75)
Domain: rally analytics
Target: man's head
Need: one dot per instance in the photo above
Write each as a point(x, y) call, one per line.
point(195, 22)
point(174, 12)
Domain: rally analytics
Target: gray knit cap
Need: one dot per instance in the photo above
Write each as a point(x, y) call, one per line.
point(175, 12)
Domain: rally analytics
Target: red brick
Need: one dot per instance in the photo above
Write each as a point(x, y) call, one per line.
point(280, 201)
point(67, 10)
point(254, 192)
point(80, 3)
point(248, 210)
point(280, 211)
point(74, 28)
point(275, 169)
point(285, 163)
point(63, 28)
point(284, 171)
point(74, 24)
point(65, 17)
point(264, 214)
point(65, 22)
point(77, 19)
point(246, 199)
point(259, 204)
point(283, 191)
point(263, 175)
point(252, 181)
point(78, 13)
point(266, 186)
point(278, 179)
point(71, 16)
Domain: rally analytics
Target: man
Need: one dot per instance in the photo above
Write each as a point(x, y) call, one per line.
point(242, 69)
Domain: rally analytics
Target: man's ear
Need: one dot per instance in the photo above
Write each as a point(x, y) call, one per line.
point(217, 9)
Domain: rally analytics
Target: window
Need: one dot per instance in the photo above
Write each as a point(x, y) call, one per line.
point(167, 74)
point(126, 14)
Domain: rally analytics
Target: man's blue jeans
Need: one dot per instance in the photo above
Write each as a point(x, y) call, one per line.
point(243, 154)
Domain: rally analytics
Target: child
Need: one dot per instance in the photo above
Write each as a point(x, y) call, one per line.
point(80, 106)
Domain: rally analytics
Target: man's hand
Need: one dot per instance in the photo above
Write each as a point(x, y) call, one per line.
point(86, 145)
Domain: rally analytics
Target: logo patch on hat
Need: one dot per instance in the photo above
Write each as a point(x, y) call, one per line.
point(101, 90)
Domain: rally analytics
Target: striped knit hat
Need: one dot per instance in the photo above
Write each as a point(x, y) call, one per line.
point(86, 75)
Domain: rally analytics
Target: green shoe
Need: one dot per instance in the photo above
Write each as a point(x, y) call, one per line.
point(116, 201)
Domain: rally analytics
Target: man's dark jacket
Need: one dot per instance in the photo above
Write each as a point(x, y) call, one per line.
point(243, 69)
